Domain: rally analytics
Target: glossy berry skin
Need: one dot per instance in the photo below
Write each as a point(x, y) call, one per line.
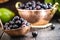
point(27, 24)
point(24, 23)
point(16, 18)
point(38, 3)
point(38, 7)
point(8, 28)
point(22, 20)
point(11, 22)
point(45, 6)
point(11, 26)
point(49, 5)
point(29, 4)
point(30, 8)
point(5, 26)
point(52, 27)
point(34, 34)
point(41, 5)
point(33, 4)
point(18, 22)
point(15, 27)
point(26, 5)
point(22, 6)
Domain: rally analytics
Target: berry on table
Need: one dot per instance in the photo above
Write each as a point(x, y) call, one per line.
point(34, 34)
point(52, 27)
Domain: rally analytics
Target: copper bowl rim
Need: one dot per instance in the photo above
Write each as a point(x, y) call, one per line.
point(20, 28)
point(33, 10)
point(13, 29)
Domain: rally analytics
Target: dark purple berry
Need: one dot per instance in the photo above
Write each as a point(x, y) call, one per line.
point(33, 4)
point(24, 25)
point(29, 4)
point(38, 3)
point(26, 5)
point(52, 27)
point(34, 34)
point(16, 18)
point(15, 27)
point(41, 5)
point(11, 26)
point(27, 24)
point(11, 22)
point(8, 28)
point(18, 22)
point(30, 8)
point(22, 20)
point(49, 5)
point(22, 6)
point(38, 7)
point(7, 24)
point(45, 6)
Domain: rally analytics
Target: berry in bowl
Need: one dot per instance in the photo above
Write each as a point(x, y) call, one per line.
point(16, 27)
point(36, 13)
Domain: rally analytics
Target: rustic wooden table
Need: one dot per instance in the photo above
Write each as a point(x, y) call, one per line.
point(43, 34)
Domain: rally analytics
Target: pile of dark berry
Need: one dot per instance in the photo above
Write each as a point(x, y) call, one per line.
point(33, 5)
point(17, 22)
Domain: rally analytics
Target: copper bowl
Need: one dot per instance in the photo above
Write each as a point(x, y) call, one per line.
point(37, 17)
point(18, 32)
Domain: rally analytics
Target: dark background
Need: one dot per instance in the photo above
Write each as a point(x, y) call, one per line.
point(11, 5)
